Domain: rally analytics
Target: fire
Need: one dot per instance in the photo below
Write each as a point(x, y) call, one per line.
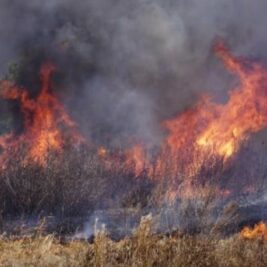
point(135, 159)
point(210, 128)
point(258, 232)
point(223, 127)
point(206, 130)
point(102, 152)
point(46, 125)
point(245, 112)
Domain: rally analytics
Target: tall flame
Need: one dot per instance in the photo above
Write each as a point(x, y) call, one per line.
point(211, 128)
point(245, 112)
point(208, 129)
point(46, 127)
point(223, 127)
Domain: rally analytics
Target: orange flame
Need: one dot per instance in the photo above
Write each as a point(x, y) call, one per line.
point(135, 159)
point(258, 232)
point(222, 128)
point(47, 126)
point(211, 128)
point(245, 112)
point(206, 130)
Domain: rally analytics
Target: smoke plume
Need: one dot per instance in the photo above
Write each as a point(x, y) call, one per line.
point(123, 66)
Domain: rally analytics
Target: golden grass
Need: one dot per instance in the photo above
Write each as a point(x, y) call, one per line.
point(141, 249)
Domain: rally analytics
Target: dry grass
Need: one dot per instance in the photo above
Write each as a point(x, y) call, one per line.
point(81, 184)
point(143, 248)
point(71, 185)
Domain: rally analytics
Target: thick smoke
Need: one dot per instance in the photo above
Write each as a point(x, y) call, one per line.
point(126, 65)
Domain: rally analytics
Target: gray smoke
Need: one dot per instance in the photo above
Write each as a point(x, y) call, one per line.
point(126, 65)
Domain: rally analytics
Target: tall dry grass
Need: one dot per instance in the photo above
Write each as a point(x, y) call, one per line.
point(142, 249)
point(73, 184)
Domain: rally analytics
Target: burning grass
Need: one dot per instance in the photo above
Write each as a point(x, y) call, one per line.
point(204, 138)
point(49, 169)
point(77, 187)
point(143, 248)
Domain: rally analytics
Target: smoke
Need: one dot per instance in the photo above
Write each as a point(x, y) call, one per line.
point(124, 66)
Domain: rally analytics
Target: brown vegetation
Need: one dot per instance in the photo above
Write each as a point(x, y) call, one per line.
point(143, 248)
point(72, 184)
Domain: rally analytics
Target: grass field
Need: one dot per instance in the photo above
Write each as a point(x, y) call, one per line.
point(143, 248)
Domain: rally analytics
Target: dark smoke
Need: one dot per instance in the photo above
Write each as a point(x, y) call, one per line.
point(126, 65)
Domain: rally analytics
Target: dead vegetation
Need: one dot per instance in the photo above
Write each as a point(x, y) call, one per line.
point(73, 184)
point(143, 248)
point(80, 184)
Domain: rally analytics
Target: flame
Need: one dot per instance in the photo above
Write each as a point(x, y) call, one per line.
point(243, 114)
point(223, 127)
point(136, 159)
point(258, 232)
point(210, 128)
point(46, 125)
point(102, 152)
point(206, 130)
